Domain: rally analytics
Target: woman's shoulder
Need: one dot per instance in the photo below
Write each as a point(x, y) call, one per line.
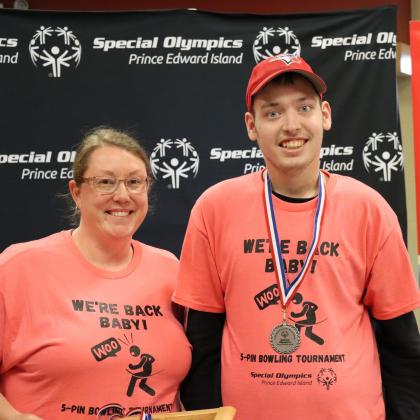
point(29, 249)
point(155, 252)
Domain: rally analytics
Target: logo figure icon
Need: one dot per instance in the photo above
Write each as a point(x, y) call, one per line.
point(173, 160)
point(270, 42)
point(327, 378)
point(383, 153)
point(55, 48)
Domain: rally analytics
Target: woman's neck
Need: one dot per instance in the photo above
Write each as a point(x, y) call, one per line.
point(113, 255)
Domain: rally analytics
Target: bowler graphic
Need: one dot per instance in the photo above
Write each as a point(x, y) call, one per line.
point(140, 371)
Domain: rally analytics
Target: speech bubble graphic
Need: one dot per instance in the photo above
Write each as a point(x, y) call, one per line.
point(108, 348)
point(269, 296)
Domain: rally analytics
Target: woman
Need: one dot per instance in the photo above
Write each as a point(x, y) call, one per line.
point(86, 323)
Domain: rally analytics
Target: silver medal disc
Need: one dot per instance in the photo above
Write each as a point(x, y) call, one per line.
point(285, 338)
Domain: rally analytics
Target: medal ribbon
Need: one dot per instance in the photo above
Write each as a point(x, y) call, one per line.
point(287, 291)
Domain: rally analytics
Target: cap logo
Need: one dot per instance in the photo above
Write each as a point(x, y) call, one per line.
point(287, 59)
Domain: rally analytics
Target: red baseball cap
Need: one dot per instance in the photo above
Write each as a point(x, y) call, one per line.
point(271, 67)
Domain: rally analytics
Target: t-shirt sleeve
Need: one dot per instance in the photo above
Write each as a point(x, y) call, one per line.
point(6, 296)
point(199, 285)
point(392, 289)
point(2, 325)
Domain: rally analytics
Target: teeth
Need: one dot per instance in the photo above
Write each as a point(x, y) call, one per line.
point(119, 213)
point(293, 144)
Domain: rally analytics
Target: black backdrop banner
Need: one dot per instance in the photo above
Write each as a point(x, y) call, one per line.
point(176, 80)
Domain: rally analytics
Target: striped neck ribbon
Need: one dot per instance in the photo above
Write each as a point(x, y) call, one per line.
point(287, 290)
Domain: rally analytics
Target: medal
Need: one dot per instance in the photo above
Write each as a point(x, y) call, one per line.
point(285, 337)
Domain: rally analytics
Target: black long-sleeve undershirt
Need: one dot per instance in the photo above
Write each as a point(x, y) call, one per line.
point(202, 388)
point(399, 352)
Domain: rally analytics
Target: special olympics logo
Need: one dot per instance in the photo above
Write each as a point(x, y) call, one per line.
point(383, 153)
point(271, 42)
point(55, 48)
point(174, 159)
point(327, 378)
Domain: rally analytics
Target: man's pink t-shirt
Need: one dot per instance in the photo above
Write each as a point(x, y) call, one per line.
point(360, 266)
point(75, 338)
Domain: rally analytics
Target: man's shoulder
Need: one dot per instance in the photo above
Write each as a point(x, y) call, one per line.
point(350, 186)
point(358, 195)
point(239, 186)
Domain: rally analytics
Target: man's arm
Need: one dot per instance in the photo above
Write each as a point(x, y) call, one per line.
point(399, 351)
point(202, 386)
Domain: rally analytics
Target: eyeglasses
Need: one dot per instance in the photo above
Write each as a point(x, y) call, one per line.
point(110, 184)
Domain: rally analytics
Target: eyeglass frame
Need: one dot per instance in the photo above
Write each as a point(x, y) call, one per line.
point(90, 180)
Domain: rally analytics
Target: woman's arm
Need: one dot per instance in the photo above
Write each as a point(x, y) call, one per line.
point(7, 412)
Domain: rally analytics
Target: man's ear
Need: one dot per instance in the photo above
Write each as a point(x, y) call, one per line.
point(250, 126)
point(326, 115)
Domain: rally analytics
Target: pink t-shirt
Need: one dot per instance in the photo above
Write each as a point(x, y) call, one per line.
point(75, 338)
point(360, 266)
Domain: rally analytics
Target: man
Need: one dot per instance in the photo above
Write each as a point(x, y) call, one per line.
point(294, 265)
